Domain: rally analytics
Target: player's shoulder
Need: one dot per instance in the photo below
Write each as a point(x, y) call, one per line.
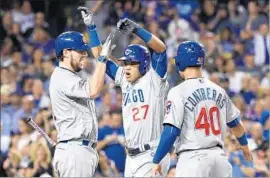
point(214, 85)
point(153, 73)
point(176, 90)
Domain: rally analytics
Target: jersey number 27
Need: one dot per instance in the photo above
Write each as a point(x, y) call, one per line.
point(206, 118)
point(142, 109)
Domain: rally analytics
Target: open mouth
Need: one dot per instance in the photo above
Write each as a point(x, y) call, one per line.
point(127, 74)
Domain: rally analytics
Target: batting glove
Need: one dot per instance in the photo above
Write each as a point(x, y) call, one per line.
point(127, 26)
point(107, 48)
point(87, 15)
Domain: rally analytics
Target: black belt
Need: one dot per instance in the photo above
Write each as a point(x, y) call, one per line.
point(83, 142)
point(187, 150)
point(136, 151)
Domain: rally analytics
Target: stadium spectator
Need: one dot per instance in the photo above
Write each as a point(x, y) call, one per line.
point(111, 140)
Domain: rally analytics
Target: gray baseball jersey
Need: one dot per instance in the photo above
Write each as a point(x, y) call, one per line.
point(143, 106)
point(73, 110)
point(201, 109)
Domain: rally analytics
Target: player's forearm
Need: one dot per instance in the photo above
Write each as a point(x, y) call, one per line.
point(238, 131)
point(96, 51)
point(97, 80)
point(94, 41)
point(166, 142)
point(96, 48)
point(101, 144)
point(152, 41)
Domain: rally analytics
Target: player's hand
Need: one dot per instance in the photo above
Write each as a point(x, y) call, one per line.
point(111, 138)
point(156, 170)
point(247, 153)
point(126, 26)
point(87, 15)
point(107, 47)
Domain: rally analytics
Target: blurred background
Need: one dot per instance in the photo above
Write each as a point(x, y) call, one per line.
point(235, 34)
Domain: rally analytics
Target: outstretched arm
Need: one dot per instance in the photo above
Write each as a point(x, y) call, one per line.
point(166, 142)
point(238, 131)
point(96, 46)
point(159, 58)
point(233, 121)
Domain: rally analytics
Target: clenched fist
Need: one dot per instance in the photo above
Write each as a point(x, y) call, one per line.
point(87, 15)
point(126, 26)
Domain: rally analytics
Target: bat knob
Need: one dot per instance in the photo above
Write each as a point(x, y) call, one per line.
point(28, 119)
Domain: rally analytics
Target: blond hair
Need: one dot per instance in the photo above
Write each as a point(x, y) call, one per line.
point(15, 156)
point(34, 149)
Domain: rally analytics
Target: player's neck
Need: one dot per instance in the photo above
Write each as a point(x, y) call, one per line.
point(66, 65)
point(192, 73)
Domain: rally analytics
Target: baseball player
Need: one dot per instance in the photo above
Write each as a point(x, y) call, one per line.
point(199, 110)
point(144, 89)
point(73, 106)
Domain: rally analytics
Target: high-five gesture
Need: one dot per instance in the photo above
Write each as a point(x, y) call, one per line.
point(107, 47)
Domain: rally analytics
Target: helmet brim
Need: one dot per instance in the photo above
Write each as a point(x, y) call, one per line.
point(84, 47)
point(128, 59)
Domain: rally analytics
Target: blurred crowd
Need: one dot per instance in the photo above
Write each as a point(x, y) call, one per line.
point(236, 37)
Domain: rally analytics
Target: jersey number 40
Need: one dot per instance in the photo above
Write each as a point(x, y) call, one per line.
point(205, 117)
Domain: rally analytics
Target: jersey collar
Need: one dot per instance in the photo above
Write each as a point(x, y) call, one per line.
point(68, 70)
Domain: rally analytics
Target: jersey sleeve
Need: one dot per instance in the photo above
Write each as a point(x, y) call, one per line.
point(174, 110)
point(232, 111)
point(79, 89)
point(120, 79)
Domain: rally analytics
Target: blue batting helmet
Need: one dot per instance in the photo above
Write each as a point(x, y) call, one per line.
point(70, 40)
point(138, 53)
point(189, 54)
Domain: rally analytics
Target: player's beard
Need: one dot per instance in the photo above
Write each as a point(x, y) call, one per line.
point(76, 66)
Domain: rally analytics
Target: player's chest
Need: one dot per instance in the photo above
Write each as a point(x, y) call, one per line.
point(85, 105)
point(137, 94)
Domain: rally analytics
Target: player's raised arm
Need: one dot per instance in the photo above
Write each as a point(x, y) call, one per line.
point(94, 42)
point(159, 57)
point(127, 26)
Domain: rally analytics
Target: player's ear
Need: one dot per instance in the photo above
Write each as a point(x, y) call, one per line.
point(65, 52)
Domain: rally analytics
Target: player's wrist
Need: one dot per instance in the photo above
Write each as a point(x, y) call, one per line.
point(92, 26)
point(243, 140)
point(156, 162)
point(93, 36)
point(102, 59)
point(143, 34)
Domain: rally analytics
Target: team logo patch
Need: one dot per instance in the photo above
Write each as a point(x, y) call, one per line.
point(200, 61)
point(168, 107)
point(128, 52)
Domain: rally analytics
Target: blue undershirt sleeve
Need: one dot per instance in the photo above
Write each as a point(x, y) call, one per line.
point(93, 36)
point(234, 123)
point(111, 69)
point(160, 63)
point(166, 142)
